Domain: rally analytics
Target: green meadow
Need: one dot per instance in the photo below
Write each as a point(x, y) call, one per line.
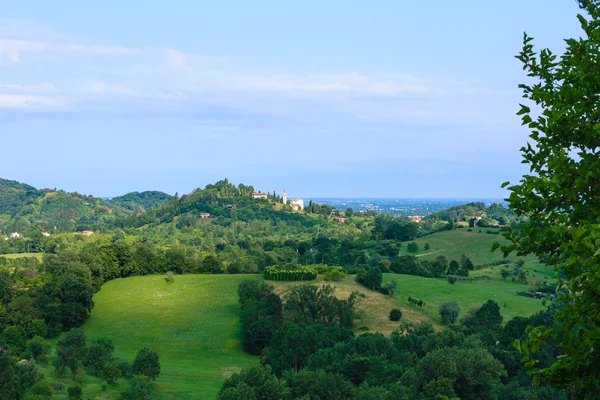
point(13, 256)
point(467, 294)
point(452, 244)
point(192, 323)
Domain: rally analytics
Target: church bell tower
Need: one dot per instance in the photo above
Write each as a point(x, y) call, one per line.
point(284, 200)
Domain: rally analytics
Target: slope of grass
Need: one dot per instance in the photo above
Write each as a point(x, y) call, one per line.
point(192, 323)
point(12, 256)
point(452, 244)
point(467, 294)
point(373, 307)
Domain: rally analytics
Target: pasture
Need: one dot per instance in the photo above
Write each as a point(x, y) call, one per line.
point(192, 323)
point(452, 244)
point(468, 294)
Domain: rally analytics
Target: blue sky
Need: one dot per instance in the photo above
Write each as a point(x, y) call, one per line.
point(327, 99)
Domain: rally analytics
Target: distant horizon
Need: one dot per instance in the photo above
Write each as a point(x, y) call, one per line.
point(276, 191)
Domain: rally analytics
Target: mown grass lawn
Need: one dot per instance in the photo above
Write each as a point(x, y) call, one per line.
point(192, 323)
point(467, 294)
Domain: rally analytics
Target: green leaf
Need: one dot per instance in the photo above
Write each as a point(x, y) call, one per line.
point(524, 110)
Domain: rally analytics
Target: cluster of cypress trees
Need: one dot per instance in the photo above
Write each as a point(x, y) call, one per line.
point(290, 273)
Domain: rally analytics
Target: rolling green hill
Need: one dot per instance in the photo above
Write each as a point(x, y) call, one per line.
point(140, 201)
point(452, 244)
point(192, 323)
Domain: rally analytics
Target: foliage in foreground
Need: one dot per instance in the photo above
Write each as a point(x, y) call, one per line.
point(561, 197)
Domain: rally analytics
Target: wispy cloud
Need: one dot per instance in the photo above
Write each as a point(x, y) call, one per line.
point(21, 101)
point(136, 75)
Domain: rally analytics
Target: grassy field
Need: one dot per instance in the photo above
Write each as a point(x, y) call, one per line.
point(192, 323)
point(452, 244)
point(22, 255)
point(467, 294)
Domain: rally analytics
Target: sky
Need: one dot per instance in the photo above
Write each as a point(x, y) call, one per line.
point(327, 99)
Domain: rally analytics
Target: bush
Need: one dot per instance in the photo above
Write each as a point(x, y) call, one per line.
point(125, 368)
point(413, 247)
point(42, 390)
point(452, 279)
point(146, 363)
point(395, 315)
point(427, 246)
point(371, 279)
point(75, 392)
point(449, 311)
point(335, 274)
point(169, 278)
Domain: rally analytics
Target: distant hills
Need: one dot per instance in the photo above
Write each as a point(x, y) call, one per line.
point(23, 207)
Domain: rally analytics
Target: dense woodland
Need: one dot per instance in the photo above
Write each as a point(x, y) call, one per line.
point(308, 352)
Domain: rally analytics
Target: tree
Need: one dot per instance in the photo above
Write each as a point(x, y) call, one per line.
point(485, 317)
point(111, 373)
point(453, 267)
point(371, 279)
point(427, 246)
point(9, 381)
point(505, 273)
point(99, 353)
point(395, 315)
point(42, 390)
point(139, 389)
point(75, 392)
point(412, 247)
point(254, 383)
point(452, 279)
point(449, 311)
point(70, 351)
point(211, 264)
point(16, 338)
point(561, 197)
point(146, 363)
point(391, 286)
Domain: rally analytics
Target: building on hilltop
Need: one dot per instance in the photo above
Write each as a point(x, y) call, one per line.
point(46, 234)
point(15, 235)
point(87, 233)
point(204, 215)
point(296, 204)
point(416, 219)
point(259, 195)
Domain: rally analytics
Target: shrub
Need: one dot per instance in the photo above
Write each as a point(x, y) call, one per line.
point(75, 392)
point(449, 311)
point(335, 274)
point(112, 373)
point(413, 247)
point(169, 278)
point(125, 368)
point(146, 363)
point(42, 390)
point(371, 279)
point(395, 315)
point(427, 246)
point(452, 279)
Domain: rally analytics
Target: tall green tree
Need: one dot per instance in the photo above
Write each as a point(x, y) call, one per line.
point(146, 363)
point(561, 197)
